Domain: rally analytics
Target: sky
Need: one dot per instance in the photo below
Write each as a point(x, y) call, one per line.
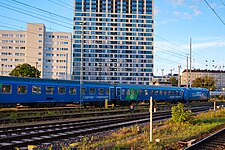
point(177, 22)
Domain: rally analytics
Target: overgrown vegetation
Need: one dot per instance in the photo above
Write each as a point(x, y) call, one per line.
point(184, 126)
point(180, 114)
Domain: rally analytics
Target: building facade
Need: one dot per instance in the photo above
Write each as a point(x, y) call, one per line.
point(113, 41)
point(49, 52)
point(218, 75)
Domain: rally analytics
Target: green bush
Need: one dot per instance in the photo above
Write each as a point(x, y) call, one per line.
point(181, 115)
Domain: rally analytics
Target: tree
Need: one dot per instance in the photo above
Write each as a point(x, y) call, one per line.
point(205, 82)
point(25, 70)
point(173, 81)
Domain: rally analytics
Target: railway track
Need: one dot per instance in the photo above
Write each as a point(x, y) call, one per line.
point(24, 135)
point(44, 114)
point(213, 142)
point(67, 116)
point(20, 136)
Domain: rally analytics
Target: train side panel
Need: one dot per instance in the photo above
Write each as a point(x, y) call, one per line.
point(196, 94)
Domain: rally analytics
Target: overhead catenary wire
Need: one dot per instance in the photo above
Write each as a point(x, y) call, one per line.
point(42, 10)
point(31, 15)
point(214, 12)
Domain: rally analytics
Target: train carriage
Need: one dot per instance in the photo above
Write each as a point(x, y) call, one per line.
point(32, 90)
point(144, 92)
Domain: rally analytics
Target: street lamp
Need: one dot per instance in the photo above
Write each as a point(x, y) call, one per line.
point(2, 69)
point(81, 63)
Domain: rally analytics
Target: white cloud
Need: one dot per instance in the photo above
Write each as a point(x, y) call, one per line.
point(195, 10)
point(177, 2)
point(208, 44)
point(183, 15)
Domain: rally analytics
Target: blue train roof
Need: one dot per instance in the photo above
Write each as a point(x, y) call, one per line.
point(196, 89)
point(49, 81)
point(149, 87)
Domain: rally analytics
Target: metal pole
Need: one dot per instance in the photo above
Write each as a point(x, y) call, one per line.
point(150, 126)
point(187, 73)
point(81, 64)
point(179, 66)
point(2, 69)
point(214, 108)
point(36, 69)
point(66, 65)
point(162, 74)
point(190, 62)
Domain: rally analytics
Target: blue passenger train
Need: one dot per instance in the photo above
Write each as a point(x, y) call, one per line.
point(33, 91)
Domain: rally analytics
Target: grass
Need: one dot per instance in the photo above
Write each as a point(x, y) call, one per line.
point(168, 133)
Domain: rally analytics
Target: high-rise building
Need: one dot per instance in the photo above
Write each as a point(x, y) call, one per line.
point(49, 52)
point(115, 40)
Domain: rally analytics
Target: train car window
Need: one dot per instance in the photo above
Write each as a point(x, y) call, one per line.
point(123, 91)
point(62, 90)
point(22, 89)
point(100, 91)
point(6, 89)
point(92, 91)
point(165, 92)
point(177, 92)
point(128, 92)
point(146, 92)
point(156, 92)
point(151, 92)
point(72, 91)
point(83, 90)
point(169, 92)
point(49, 89)
point(36, 89)
point(107, 91)
point(172, 92)
point(140, 92)
point(160, 92)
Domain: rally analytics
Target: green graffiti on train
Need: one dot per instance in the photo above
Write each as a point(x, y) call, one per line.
point(132, 94)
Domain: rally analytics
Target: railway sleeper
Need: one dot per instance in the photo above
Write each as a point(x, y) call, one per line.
point(187, 143)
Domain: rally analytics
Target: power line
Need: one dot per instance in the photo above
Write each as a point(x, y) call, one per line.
point(223, 2)
point(31, 15)
point(60, 5)
point(42, 10)
point(215, 12)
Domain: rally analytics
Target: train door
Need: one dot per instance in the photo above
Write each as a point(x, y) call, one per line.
point(112, 94)
point(118, 93)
